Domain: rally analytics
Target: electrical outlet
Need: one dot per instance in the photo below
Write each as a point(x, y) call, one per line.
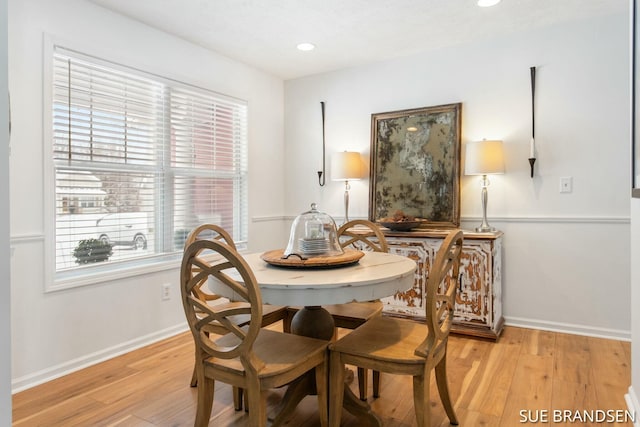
point(566, 184)
point(166, 291)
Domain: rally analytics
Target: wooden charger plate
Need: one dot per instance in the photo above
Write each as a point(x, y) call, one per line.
point(275, 257)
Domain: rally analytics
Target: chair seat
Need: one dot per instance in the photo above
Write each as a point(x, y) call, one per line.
point(352, 315)
point(273, 313)
point(384, 339)
point(270, 313)
point(280, 353)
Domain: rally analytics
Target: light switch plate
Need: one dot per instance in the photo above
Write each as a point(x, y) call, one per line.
point(566, 184)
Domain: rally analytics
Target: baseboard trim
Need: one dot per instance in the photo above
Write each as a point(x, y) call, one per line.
point(634, 407)
point(568, 328)
point(523, 219)
point(51, 373)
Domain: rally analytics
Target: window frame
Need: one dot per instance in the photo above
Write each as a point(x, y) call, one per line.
point(58, 280)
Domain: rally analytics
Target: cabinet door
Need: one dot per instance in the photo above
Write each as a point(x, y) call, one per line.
point(474, 303)
point(473, 300)
point(411, 303)
point(478, 309)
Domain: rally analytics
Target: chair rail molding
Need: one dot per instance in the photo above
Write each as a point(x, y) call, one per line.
point(269, 218)
point(506, 219)
point(17, 239)
point(555, 219)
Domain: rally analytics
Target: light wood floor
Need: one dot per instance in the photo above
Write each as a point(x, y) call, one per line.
point(490, 384)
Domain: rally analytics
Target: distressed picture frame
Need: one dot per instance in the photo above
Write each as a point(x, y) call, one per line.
point(415, 165)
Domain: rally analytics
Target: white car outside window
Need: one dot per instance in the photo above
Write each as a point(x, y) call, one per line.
point(124, 229)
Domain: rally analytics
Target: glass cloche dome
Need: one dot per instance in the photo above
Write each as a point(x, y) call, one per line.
point(313, 234)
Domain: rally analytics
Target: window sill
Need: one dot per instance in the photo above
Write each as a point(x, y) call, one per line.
point(111, 272)
point(123, 270)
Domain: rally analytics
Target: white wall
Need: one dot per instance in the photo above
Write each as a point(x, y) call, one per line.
point(5, 297)
point(566, 256)
point(82, 325)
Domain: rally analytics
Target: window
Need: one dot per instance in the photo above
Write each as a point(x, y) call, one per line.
point(139, 161)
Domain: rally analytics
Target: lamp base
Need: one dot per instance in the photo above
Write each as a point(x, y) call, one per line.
point(484, 226)
point(486, 229)
point(347, 187)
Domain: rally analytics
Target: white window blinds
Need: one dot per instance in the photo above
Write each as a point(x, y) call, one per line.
point(140, 161)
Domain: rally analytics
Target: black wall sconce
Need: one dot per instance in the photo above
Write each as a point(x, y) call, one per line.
point(323, 173)
point(532, 148)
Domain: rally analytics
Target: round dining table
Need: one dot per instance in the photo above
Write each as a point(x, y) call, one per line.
point(376, 275)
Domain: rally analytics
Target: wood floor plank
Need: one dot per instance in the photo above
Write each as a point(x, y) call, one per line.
point(539, 343)
point(73, 385)
point(72, 412)
point(572, 359)
point(573, 397)
point(519, 408)
point(490, 384)
point(490, 390)
point(396, 398)
point(472, 418)
point(462, 368)
point(611, 371)
point(532, 378)
point(129, 421)
point(531, 385)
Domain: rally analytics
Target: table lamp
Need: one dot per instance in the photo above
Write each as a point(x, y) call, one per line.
point(484, 158)
point(346, 166)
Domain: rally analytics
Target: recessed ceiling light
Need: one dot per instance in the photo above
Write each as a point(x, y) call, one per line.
point(412, 129)
point(488, 3)
point(306, 46)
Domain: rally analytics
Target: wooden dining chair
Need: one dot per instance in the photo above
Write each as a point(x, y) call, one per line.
point(270, 313)
point(358, 234)
point(250, 357)
point(406, 347)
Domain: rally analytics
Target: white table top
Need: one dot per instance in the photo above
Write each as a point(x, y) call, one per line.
point(376, 275)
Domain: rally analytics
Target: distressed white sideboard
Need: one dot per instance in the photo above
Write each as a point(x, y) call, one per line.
point(478, 309)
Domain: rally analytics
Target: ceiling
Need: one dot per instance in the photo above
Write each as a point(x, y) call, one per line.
point(347, 33)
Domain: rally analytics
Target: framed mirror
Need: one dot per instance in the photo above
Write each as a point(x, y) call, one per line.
point(415, 165)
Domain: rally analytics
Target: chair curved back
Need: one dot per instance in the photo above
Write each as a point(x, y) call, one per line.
point(442, 285)
point(208, 232)
point(225, 264)
point(365, 231)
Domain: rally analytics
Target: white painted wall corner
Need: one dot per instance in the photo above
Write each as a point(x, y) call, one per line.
point(634, 407)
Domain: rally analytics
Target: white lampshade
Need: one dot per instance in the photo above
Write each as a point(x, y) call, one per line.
point(346, 165)
point(484, 158)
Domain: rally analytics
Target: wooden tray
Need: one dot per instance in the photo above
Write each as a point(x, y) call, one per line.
point(274, 257)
